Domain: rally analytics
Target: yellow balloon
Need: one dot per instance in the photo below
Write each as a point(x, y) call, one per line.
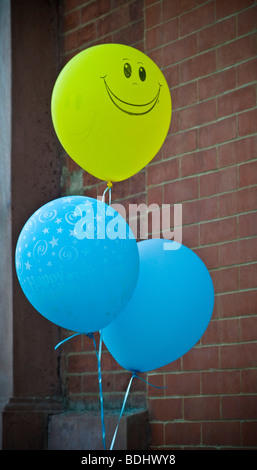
point(111, 110)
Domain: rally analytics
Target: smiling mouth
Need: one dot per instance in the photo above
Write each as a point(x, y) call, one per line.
point(131, 108)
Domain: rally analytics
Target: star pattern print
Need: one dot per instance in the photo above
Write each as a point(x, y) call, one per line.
point(63, 266)
point(51, 235)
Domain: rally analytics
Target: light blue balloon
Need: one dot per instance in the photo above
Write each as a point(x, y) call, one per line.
point(169, 311)
point(77, 262)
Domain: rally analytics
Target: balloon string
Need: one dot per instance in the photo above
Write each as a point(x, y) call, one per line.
point(121, 412)
point(98, 356)
point(152, 385)
point(134, 375)
point(100, 386)
point(67, 339)
point(109, 188)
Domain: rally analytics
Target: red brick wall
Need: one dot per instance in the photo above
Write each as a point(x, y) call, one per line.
point(207, 51)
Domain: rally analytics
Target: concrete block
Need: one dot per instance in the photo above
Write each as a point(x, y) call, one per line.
point(83, 431)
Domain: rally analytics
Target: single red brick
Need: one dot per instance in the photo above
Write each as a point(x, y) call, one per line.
point(217, 33)
point(155, 195)
point(220, 382)
point(239, 201)
point(197, 18)
point(240, 251)
point(249, 434)
point(248, 327)
point(152, 15)
point(247, 21)
point(217, 83)
point(247, 122)
point(163, 171)
point(247, 72)
point(180, 143)
point(182, 190)
point(182, 434)
point(198, 114)
point(236, 101)
point(248, 276)
point(236, 51)
point(201, 408)
point(218, 231)
point(200, 210)
point(238, 303)
point(236, 356)
point(239, 407)
point(218, 182)
point(157, 434)
point(166, 409)
point(230, 6)
point(198, 162)
point(202, 64)
point(249, 381)
point(80, 363)
point(221, 331)
point(170, 9)
point(218, 132)
point(225, 280)
point(221, 433)
point(237, 151)
point(247, 225)
point(201, 358)
point(183, 383)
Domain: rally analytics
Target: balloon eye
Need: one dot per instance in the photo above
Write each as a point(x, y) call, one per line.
point(142, 74)
point(127, 70)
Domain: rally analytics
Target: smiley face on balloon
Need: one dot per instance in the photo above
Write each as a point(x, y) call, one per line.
point(111, 110)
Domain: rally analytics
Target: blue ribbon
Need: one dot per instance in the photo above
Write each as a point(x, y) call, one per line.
point(98, 356)
point(134, 375)
point(121, 412)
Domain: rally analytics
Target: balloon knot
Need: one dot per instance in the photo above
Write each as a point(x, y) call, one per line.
point(109, 184)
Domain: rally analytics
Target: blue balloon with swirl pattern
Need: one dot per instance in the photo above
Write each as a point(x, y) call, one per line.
point(77, 262)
